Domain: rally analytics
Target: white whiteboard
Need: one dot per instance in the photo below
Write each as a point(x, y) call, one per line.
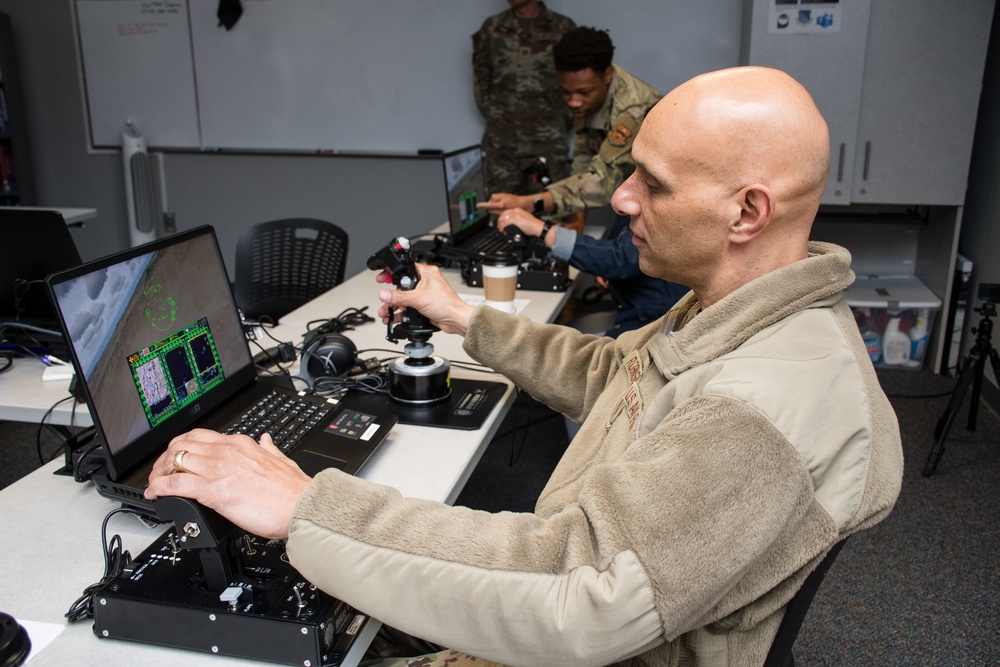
point(355, 75)
point(137, 65)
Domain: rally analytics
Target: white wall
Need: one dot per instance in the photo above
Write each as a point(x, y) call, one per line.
point(319, 75)
point(373, 199)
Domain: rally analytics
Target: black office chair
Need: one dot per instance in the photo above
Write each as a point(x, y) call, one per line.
point(780, 654)
point(282, 264)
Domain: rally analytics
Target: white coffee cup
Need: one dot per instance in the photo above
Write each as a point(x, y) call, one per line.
point(500, 282)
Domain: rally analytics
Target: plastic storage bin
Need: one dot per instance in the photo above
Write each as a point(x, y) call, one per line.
point(895, 317)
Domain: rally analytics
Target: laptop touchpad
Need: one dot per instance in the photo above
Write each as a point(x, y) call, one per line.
point(313, 462)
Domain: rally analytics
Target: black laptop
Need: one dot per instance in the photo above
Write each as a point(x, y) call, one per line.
point(472, 231)
point(36, 243)
point(159, 349)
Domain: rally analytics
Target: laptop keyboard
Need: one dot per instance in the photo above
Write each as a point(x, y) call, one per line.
point(287, 418)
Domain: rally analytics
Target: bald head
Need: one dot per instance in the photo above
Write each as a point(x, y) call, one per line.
point(753, 124)
point(730, 170)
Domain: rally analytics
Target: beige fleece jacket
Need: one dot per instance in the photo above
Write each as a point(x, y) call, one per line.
point(716, 466)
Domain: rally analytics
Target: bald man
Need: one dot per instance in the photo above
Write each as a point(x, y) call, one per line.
point(724, 449)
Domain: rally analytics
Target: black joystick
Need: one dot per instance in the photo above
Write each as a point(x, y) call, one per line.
point(419, 378)
point(396, 260)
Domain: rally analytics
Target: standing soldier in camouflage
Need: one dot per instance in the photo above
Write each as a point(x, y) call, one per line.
point(516, 93)
point(608, 106)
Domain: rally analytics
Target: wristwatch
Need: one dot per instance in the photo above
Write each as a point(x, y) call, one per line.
point(539, 205)
point(545, 229)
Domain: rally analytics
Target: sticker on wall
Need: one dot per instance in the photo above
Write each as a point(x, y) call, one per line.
point(804, 16)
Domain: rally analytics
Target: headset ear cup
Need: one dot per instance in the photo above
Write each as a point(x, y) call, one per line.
point(328, 355)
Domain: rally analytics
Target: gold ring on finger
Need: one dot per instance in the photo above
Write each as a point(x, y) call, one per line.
point(179, 460)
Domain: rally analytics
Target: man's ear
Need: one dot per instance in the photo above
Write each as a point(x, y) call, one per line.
point(756, 209)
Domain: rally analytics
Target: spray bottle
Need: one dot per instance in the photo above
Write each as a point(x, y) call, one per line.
point(868, 334)
point(895, 343)
point(918, 340)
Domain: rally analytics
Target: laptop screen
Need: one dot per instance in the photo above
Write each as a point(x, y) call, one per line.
point(156, 339)
point(466, 184)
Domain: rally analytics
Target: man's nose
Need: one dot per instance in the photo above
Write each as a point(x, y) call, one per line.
point(622, 201)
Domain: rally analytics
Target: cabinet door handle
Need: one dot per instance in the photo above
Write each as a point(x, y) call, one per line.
point(840, 163)
point(868, 159)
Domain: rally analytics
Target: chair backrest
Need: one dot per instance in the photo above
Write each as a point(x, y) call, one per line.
point(780, 654)
point(282, 264)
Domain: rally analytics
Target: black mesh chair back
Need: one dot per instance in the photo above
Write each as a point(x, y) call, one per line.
point(282, 264)
point(780, 654)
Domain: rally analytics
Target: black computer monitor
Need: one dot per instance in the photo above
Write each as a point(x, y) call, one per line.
point(36, 243)
point(465, 181)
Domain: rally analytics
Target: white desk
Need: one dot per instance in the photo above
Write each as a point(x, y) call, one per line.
point(72, 216)
point(25, 397)
point(53, 524)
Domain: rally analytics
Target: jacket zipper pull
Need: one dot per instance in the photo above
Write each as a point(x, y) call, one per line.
point(614, 415)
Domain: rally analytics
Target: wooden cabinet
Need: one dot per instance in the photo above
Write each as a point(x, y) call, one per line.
point(16, 186)
point(898, 82)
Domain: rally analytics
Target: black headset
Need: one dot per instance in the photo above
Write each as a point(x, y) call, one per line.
point(326, 355)
point(14, 642)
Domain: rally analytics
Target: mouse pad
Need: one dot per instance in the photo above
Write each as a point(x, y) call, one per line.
point(469, 405)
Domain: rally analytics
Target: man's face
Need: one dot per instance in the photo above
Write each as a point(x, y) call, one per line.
point(584, 90)
point(678, 206)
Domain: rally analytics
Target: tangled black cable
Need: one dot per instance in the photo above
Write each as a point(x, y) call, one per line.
point(348, 319)
point(82, 474)
point(53, 429)
point(115, 561)
point(373, 383)
point(268, 355)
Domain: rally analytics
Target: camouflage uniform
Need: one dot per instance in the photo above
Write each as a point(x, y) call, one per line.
point(517, 94)
point(602, 159)
point(446, 658)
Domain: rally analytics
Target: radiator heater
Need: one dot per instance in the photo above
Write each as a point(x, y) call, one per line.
point(139, 198)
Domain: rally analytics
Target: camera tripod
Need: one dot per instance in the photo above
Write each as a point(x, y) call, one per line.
point(972, 373)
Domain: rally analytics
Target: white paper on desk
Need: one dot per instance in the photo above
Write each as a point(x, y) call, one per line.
point(57, 372)
point(477, 300)
point(40, 634)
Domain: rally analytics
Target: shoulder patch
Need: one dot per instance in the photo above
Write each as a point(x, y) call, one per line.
point(620, 134)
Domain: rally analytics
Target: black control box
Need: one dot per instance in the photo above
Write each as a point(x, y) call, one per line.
point(537, 275)
point(268, 612)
